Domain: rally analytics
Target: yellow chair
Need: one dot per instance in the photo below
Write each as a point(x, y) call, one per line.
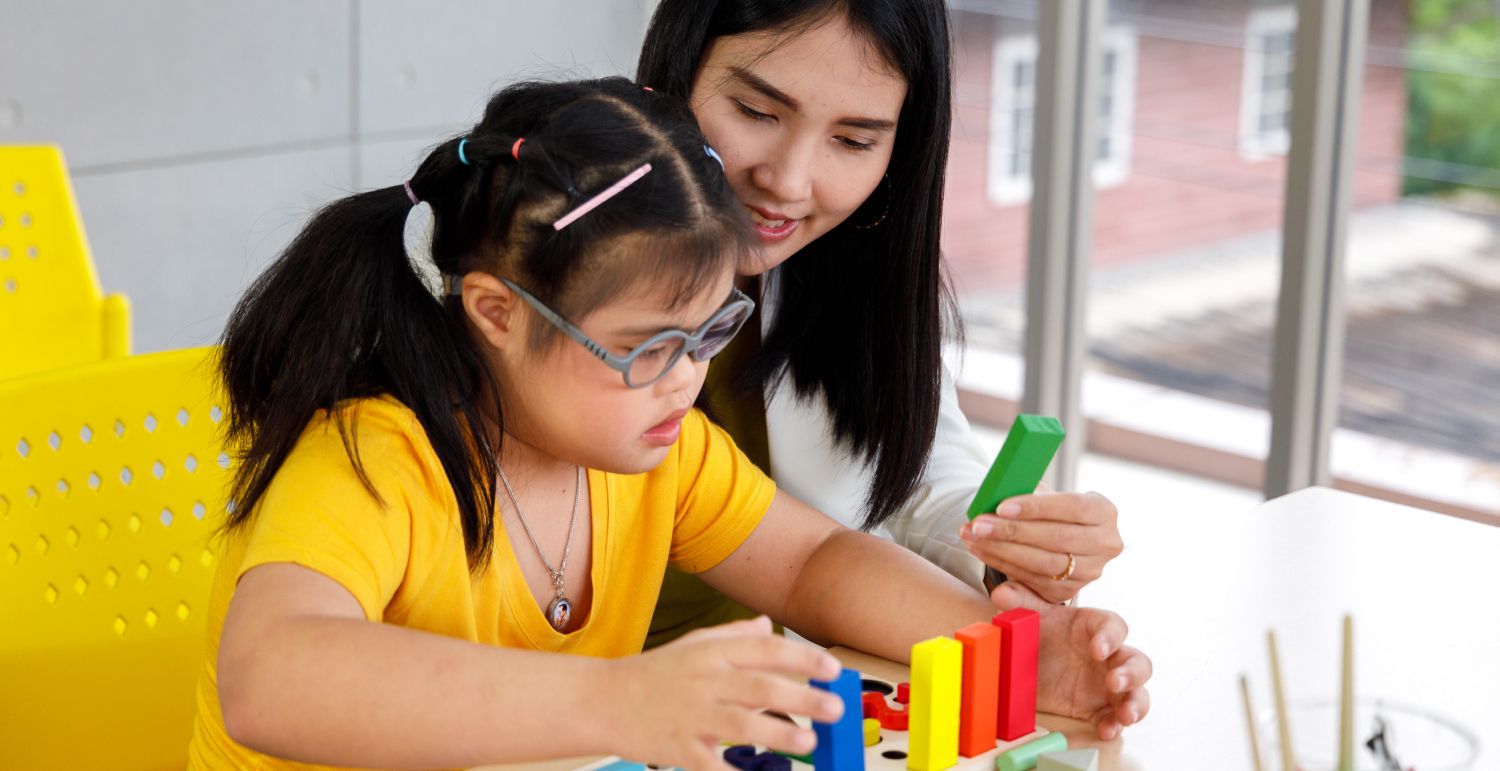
point(112, 482)
point(52, 313)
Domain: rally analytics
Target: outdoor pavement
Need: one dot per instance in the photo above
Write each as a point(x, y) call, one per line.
point(1422, 357)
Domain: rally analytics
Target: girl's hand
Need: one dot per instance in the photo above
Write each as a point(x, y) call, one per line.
point(677, 703)
point(1031, 537)
point(1085, 670)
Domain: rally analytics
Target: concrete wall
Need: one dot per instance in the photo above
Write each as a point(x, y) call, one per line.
point(201, 135)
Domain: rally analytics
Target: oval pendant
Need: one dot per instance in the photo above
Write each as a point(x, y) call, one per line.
point(559, 613)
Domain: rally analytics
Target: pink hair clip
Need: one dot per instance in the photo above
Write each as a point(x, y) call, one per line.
point(604, 195)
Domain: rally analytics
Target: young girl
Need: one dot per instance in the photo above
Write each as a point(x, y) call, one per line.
point(458, 466)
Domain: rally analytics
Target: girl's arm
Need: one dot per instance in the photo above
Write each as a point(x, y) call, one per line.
point(303, 675)
point(839, 586)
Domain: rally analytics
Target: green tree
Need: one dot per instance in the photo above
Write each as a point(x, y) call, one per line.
point(1453, 97)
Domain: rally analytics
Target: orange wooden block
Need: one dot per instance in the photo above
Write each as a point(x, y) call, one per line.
point(977, 720)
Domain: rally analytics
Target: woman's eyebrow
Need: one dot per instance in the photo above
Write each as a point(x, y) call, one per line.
point(773, 93)
point(762, 85)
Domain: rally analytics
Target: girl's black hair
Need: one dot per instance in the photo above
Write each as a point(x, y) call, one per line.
point(861, 315)
point(341, 314)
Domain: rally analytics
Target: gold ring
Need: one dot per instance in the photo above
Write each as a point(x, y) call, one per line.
point(1066, 574)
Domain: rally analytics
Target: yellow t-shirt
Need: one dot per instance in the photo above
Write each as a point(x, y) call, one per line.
point(405, 562)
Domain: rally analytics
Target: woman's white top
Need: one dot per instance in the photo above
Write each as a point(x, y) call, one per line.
point(807, 463)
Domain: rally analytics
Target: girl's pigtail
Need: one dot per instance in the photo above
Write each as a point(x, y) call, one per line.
point(340, 315)
point(536, 160)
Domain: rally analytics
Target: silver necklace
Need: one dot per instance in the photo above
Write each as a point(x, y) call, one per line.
point(560, 610)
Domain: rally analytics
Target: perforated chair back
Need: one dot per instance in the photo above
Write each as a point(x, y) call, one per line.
point(111, 485)
point(52, 313)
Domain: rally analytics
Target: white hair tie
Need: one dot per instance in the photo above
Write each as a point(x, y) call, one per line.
point(416, 237)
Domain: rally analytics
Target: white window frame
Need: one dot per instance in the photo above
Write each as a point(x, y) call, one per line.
point(1113, 169)
point(1255, 142)
point(1007, 186)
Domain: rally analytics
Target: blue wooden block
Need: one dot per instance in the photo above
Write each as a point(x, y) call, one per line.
point(622, 765)
point(841, 745)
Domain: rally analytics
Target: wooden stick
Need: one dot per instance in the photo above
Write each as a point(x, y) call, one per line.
point(1250, 723)
point(1283, 718)
point(1346, 700)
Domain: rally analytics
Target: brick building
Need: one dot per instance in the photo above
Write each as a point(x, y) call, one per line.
point(1194, 110)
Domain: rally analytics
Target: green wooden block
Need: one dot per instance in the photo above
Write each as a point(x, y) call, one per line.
point(1021, 462)
point(808, 758)
point(1024, 757)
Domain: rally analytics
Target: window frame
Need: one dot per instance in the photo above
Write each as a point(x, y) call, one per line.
point(1006, 185)
point(1256, 142)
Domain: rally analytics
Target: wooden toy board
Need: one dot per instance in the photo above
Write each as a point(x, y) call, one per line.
point(875, 759)
point(874, 668)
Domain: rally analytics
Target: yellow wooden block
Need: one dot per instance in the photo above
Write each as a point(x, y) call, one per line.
point(872, 732)
point(936, 685)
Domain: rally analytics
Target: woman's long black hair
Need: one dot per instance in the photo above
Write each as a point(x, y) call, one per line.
point(342, 314)
point(862, 312)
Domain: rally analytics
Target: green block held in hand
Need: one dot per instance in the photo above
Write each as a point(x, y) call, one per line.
point(1023, 459)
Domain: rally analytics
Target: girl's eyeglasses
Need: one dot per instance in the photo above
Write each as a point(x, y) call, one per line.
point(653, 359)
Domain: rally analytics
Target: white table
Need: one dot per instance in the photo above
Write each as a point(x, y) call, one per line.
point(1199, 592)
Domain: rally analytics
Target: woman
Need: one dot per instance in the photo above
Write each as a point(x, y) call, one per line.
point(832, 119)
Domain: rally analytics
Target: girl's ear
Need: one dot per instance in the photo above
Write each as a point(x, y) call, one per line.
point(492, 307)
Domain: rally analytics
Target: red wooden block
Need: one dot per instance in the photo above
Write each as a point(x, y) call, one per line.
point(1020, 630)
point(875, 706)
point(979, 704)
point(903, 693)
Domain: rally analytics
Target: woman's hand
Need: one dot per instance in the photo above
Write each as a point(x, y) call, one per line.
point(1033, 538)
point(1085, 670)
point(677, 703)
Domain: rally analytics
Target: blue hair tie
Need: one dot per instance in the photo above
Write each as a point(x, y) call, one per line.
point(714, 155)
point(461, 157)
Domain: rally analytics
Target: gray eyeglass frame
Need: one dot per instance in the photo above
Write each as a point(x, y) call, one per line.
point(622, 364)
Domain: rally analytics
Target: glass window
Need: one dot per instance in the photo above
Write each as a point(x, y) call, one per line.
point(1420, 399)
point(1186, 249)
point(984, 242)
